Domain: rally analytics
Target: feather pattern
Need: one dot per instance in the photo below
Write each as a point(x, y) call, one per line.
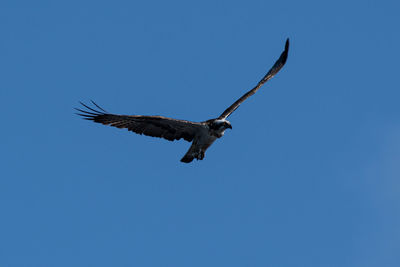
point(271, 73)
point(155, 126)
point(201, 134)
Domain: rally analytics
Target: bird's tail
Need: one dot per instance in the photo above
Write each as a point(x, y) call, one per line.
point(190, 155)
point(187, 158)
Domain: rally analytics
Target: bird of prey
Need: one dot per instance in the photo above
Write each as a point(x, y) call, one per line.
point(201, 134)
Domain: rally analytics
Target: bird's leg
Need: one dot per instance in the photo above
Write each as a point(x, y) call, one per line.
point(201, 154)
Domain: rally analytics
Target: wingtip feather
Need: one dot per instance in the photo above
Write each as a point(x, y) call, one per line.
point(94, 103)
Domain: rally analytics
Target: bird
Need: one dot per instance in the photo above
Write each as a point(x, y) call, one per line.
point(201, 134)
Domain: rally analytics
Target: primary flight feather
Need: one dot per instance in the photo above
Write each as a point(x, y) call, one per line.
point(201, 134)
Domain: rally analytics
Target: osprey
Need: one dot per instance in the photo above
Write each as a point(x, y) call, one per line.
point(201, 134)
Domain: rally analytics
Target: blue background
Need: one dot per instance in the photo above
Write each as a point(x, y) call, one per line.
point(309, 175)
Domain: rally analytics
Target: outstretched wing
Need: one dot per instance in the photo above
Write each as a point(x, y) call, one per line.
point(155, 126)
point(271, 73)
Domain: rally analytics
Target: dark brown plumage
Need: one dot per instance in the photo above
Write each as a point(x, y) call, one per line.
point(155, 126)
point(271, 73)
point(201, 134)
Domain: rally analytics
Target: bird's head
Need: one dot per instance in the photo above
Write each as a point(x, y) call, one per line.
point(227, 125)
point(220, 125)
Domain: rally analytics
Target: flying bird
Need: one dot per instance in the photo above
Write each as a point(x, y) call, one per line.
point(201, 134)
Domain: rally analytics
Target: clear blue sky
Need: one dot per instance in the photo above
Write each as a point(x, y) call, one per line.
point(309, 175)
